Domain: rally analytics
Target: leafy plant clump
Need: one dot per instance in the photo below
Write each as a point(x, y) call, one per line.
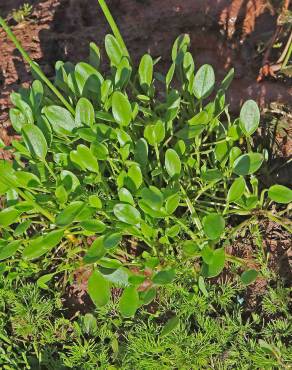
point(129, 172)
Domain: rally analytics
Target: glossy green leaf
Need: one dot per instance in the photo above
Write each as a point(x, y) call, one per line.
point(190, 248)
point(99, 289)
point(208, 254)
point(35, 141)
point(212, 175)
point(9, 249)
point(93, 225)
point(23, 106)
point(148, 296)
point(94, 55)
point(154, 133)
point(61, 194)
point(152, 196)
point(172, 203)
point(43, 244)
point(84, 158)
point(213, 225)
point(36, 95)
point(247, 164)
point(146, 70)
point(111, 240)
point(236, 190)
point(99, 150)
point(69, 180)
point(43, 280)
point(180, 47)
point(125, 196)
point(8, 216)
point(127, 213)
point(227, 80)
point(141, 152)
point(172, 163)
point(204, 81)
point(129, 302)
point(87, 80)
point(113, 50)
point(22, 228)
point(201, 118)
point(164, 277)
point(69, 214)
point(17, 119)
point(280, 194)
point(202, 286)
point(249, 117)
point(84, 114)
point(135, 176)
point(248, 276)
point(170, 326)
point(234, 153)
point(214, 268)
point(121, 109)
point(60, 119)
point(96, 251)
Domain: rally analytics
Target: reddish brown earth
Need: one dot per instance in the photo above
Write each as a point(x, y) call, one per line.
point(223, 33)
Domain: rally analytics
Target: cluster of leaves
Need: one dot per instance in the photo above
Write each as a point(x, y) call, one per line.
point(22, 13)
point(188, 330)
point(146, 171)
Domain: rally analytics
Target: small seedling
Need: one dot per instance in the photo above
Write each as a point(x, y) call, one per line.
point(22, 13)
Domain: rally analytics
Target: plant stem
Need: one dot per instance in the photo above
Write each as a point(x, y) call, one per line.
point(113, 25)
point(45, 213)
point(50, 170)
point(34, 66)
point(192, 209)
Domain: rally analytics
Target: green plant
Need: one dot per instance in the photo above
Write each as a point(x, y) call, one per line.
point(22, 13)
point(154, 175)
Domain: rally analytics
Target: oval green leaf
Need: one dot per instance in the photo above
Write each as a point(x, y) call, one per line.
point(35, 141)
point(99, 289)
point(236, 190)
point(280, 194)
point(129, 302)
point(146, 71)
point(9, 249)
point(43, 244)
point(249, 276)
point(249, 117)
point(247, 164)
point(204, 81)
point(127, 213)
point(172, 163)
point(213, 225)
point(84, 114)
point(121, 109)
point(68, 215)
point(170, 326)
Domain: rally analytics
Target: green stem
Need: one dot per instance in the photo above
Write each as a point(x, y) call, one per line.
point(192, 209)
point(187, 230)
point(288, 54)
point(40, 209)
point(34, 66)
point(50, 170)
point(113, 25)
point(271, 217)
